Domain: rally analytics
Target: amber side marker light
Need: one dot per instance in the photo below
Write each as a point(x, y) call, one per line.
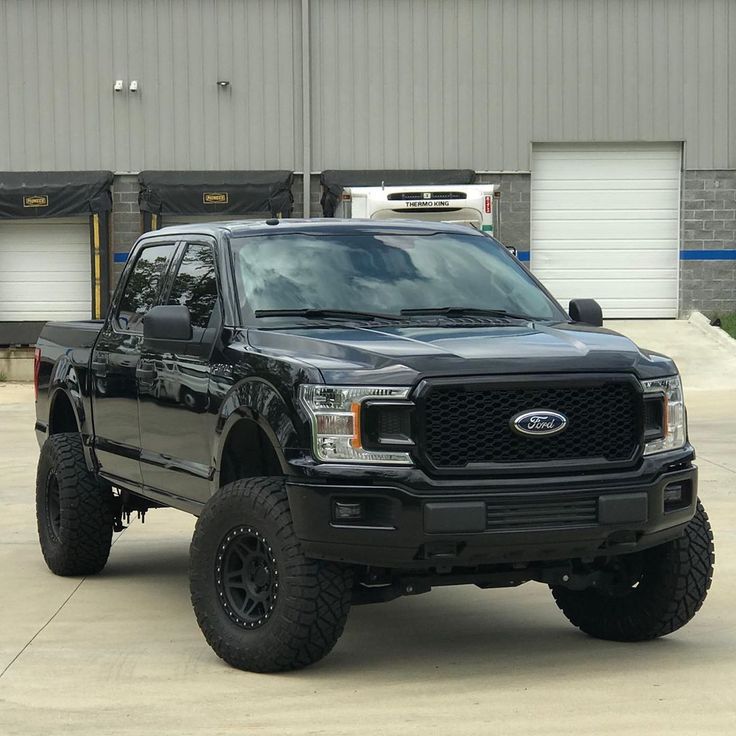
point(356, 442)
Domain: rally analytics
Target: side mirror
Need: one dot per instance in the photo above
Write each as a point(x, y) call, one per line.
point(587, 311)
point(168, 322)
point(512, 250)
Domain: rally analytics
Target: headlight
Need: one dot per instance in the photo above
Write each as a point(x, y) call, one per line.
point(335, 412)
point(673, 424)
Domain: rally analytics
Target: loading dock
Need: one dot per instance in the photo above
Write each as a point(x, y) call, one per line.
point(54, 246)
point(177, 197)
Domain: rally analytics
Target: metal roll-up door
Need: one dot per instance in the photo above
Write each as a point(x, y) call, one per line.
point(44, 269)
point(606, 224)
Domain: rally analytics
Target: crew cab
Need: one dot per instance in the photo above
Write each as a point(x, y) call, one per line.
point(358, 410)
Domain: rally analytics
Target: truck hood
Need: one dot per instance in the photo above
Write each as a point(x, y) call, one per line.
point(402, 355)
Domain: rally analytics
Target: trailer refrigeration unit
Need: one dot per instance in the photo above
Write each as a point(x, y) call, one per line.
point(469, 204)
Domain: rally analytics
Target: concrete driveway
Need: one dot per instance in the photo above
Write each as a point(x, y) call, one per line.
point(121, 653)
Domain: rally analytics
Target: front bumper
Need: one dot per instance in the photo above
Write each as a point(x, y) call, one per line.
point(408, 529)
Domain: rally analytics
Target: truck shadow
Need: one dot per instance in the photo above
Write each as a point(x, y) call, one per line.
point(450, 632)
point(484, 634)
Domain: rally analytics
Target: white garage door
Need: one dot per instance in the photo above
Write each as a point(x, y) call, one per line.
point(44, 269)
point(605, 225)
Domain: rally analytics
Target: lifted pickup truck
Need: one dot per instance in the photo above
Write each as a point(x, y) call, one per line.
point(359, 410)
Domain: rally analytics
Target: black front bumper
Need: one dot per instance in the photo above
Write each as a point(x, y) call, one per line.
point(410, 529)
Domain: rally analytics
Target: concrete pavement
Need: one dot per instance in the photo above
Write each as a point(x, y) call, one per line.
point(121, 653)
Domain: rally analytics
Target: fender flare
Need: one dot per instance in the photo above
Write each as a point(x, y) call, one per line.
point(260, 402)
point(65, 381)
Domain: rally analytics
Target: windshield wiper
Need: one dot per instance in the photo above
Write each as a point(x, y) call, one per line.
point(325, 314)
point(465, 311)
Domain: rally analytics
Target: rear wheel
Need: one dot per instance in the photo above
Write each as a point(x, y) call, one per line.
point(73, 510)
point(260, 603)
point(649, 593)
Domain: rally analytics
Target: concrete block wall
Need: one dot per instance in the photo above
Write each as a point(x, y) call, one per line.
point(513, 216)
point(315, 194)
point(126, 221)
point(708, 267)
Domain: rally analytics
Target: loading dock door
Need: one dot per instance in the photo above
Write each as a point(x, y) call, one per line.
point(44, 269)
point(54, 238)
point(605, 225)
point(176, 197)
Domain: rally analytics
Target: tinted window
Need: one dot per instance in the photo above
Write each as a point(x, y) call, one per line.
point(385, 272)
point(143, 286)
point(195, 285)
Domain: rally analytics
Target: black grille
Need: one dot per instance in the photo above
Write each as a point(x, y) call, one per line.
point(403, 196)
point(466, 425)
point(541, 513)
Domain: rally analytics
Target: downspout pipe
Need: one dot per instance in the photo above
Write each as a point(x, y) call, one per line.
point(306, 112)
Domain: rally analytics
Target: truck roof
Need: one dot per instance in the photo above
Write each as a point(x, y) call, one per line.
point(325, 225)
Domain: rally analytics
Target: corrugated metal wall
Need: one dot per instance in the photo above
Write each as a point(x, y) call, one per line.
point(59, 60)
point(395, 83)
point(433, 83)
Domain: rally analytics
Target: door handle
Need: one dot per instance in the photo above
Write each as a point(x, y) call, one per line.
point(145, 372)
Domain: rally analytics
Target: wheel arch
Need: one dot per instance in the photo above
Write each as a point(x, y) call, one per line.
point(249, 450)
point(63, 416)
point(65, 385)
point(254, 429)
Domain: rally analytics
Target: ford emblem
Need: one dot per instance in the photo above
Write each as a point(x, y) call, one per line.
point(538, 422)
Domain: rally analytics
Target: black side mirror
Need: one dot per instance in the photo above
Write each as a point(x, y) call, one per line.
point(587, 311)
point(168, 322)
point(512, 250)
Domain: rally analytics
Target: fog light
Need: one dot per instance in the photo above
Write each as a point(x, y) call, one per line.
point(672, 494)
point(677, 496)
point(344, 511)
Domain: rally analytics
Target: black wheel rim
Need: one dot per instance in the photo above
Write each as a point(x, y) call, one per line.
point(246, 577)
point(53, 506)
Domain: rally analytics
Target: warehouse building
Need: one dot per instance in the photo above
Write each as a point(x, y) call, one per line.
point(609, 127)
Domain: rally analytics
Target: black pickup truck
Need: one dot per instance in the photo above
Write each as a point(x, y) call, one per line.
point(362, 410)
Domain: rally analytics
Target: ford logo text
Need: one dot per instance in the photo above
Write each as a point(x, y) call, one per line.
point(538, 422)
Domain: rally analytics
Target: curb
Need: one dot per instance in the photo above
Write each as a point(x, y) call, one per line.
point(702, 323)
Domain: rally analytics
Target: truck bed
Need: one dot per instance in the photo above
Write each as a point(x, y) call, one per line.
point(77, 334)
point(64, 355)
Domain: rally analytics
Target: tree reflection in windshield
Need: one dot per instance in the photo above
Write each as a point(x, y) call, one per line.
point(385, 272)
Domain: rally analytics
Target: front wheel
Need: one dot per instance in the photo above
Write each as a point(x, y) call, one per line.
point(260, 603)
point(649, 593)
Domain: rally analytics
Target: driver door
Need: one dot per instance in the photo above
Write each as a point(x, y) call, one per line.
point(115, 366)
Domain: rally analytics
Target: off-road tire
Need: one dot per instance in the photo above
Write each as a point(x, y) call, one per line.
point(675, 580)
point(312, 599)
point(74, 510)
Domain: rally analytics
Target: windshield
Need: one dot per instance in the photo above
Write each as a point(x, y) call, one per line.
point(383, 273)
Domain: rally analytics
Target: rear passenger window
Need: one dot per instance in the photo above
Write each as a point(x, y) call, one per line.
point(195, 285)
point(143, 286)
